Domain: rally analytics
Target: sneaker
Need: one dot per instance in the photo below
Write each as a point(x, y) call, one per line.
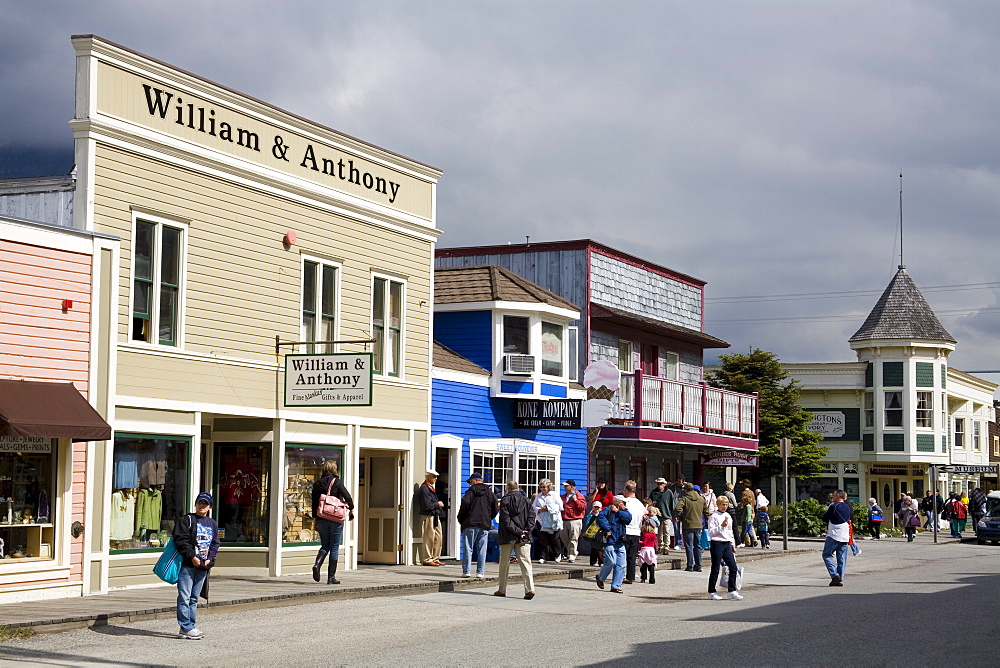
point(712, 596)
point(559, 558)
point(616, 591)
point(571, 559)
point(465, 575)
point(480, 576)
point(733, 596)
point(541, 561)
point(193, 634)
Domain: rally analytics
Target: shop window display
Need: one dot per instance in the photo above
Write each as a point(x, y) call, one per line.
point(149, 483)
point(241, 493)
point(27, 474)
point(303, 467)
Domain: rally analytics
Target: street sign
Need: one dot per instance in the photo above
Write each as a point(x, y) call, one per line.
point(961, 468)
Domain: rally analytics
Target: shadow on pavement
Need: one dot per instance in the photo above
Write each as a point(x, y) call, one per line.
point(838, 628)
point(15, 654)
point(111, 630)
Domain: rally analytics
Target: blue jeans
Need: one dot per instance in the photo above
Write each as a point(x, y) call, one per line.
point(692, 547)
point(722, 552)
point(678, 534)
point(840, 549)
point(474, 545)
point(329, 537)
point(747, 529)
point(614, 558)
point(189, 584)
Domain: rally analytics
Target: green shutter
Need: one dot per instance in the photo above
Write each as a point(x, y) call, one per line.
point(869, 375)
point(944, 376)
point(925, 374)
point(944, 443)
point(892, 374)
point(925, 442)
point(868, 442)
point(892, 443)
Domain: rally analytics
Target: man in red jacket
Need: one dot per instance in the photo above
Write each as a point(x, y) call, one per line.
point(574, 508)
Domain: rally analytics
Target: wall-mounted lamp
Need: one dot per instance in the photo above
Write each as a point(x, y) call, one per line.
point(67, 304)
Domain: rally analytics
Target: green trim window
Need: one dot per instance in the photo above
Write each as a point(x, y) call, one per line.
point(387, 325)
point(149, 490)
point(303, 468)
point(319, 304)
point(242, 472)
point(157, 252)
point(925, 409)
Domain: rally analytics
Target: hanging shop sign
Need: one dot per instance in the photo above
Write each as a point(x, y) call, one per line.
point(29, 444)
point(887, 470)
point(333, 379)
point(831, 424)
point(550, 414)
point(729, 458)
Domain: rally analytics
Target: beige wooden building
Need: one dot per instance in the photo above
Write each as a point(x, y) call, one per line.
point(243, 226)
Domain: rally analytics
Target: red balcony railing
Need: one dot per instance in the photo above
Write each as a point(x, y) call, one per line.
point(672, 404)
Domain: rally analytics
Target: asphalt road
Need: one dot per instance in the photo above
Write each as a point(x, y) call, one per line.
point(913, 604)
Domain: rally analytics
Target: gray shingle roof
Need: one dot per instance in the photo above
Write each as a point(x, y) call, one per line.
point(902, 313)
point(489, 283)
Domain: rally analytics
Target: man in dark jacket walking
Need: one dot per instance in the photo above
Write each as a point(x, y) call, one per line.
point(196, 538)
point(691, 511)
point(516, 521)
point(475, 515)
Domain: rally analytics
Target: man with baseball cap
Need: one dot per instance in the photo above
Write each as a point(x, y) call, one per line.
point(196, 538)
point(475, 515)
point(574, 508)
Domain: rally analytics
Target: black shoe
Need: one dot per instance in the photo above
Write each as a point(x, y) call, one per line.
point(316, 573)
point(530, 595)
point(697, 569)
point(616, 591)
point(689, 569)
point(600, 583)
point(835, 581)
point(499, 593)
point(628, 582)
point(331, 574)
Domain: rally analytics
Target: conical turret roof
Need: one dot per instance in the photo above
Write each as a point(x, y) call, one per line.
point(902, 313)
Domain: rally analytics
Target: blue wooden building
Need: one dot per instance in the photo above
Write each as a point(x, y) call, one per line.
point(502, 359)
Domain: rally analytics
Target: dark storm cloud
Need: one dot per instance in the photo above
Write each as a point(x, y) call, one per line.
point(754, 145)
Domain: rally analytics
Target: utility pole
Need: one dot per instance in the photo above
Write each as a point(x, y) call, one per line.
point(786, 451)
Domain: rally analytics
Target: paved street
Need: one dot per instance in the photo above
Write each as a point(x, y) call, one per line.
point(789, 617)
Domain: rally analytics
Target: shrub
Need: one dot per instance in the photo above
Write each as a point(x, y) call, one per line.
point(806, 518)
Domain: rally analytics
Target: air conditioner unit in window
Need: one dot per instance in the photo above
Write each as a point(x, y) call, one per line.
point(519, 365)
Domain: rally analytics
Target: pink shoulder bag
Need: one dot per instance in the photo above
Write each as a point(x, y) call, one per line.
point(331, 507)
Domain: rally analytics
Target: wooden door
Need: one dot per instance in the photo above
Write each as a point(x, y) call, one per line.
point(380, 541)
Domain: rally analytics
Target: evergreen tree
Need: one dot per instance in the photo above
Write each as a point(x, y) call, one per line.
point(780, 414)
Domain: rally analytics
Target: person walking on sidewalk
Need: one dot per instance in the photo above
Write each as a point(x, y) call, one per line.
point(574, 508)
point(633, 531)
point(838, 536)
point(723, 549)
point(475, 515)
point(431, 510)
point(875, 519)
point(196, 538)
point(330, 531)
point(691, 512)
point(613, 522)
point(516, 521)
point(548, 509)
point(907, 511)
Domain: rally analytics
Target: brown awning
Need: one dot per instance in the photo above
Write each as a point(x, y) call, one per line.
point(48, 410)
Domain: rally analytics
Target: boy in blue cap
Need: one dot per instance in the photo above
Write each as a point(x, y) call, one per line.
point(196, 537)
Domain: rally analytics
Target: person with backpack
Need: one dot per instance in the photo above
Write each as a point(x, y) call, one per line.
point(330, 531)
point(592, 532)
point(614, 522)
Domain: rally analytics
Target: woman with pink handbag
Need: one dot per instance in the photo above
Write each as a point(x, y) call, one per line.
point(326, 493)
point(908, 517)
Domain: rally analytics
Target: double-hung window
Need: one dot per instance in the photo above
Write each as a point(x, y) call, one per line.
point(959, 432)
point(925, 409)
point(157, 257)
point(387, 325)
point(976, 434)
point(319, 304)
point(869, 409)
point(893, 409)
point(552, 349)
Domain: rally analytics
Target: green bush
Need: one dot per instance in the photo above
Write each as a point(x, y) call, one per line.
point(806, 519)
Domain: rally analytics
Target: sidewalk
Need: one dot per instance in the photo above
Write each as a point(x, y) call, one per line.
point(231, 594)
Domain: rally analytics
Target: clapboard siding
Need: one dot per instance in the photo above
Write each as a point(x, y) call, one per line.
point(242, 285)
point(468, 333)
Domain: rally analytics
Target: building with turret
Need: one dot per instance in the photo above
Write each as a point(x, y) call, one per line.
point(898, 410)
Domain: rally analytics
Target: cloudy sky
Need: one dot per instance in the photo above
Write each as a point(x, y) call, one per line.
point(755, 145)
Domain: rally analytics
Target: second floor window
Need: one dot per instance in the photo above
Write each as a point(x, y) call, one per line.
point(893, 409)
point(156, 283)
point(959, 432)
point(925, 409)
point(869, 409)
point(387, 321)
point(319, 304)
point(552, 349)
point(516, 338)
point(976, 436)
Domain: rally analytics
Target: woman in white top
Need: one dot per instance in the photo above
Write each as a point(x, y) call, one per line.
point(723, 548)
point(548, 511)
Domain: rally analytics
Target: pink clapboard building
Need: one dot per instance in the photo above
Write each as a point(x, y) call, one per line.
point(54, 375)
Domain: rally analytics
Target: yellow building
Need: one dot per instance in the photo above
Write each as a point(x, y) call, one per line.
point(247, 231)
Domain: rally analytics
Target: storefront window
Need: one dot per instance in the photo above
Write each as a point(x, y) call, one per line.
point(241, 493)
point(532, 468)
point(853, 488)
point(819, 489)
point(149, 490)
point(497, 468)
point(527, 469)
point(27, 475)
point(303, 467)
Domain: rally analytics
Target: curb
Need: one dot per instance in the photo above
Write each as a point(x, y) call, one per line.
point(300, 598)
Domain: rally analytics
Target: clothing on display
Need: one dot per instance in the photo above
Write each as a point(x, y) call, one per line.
point(122, 515)
point(126, 469)
point(148, 510)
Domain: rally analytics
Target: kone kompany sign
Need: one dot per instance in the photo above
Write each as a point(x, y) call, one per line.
point(333, 379)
